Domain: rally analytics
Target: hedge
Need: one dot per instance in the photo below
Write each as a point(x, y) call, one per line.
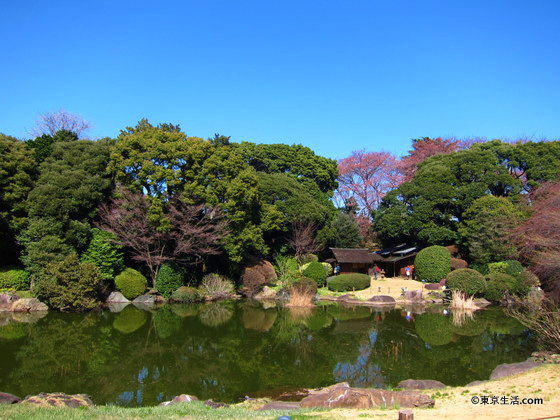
point(467, 281)
point(346, 282)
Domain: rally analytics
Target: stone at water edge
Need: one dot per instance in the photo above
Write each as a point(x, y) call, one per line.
point(59, 399)
point(513, 369)
point(266, 293)
point(6, 398)
point(420, 384)
point(383, 300)
point(145, 300)
point(28, 305)
point(117, 297)
point(367, 398)
point(413, 296)
point(6, 300)
point(183, 398)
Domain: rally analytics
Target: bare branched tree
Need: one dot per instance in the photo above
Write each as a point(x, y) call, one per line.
point(51, 122)
point(194, 231)
point(302, 237)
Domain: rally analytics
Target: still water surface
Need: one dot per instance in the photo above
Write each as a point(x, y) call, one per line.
point(228, 350)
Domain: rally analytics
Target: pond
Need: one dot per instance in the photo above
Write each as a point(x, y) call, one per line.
point(227, 350)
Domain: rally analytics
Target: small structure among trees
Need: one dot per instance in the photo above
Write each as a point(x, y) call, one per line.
point(353, 260)
point(394, 260)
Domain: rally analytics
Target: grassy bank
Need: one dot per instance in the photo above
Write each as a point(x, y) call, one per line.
point(451, 403)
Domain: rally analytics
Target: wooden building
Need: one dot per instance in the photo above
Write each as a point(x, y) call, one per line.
point(352, 260)
point(394, 260)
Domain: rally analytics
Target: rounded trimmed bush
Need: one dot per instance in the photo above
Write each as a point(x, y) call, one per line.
point(432, 263)
point(307, 258)
point(131, 283)
point(467, 281)
point(317, 272)
point(186, 294)
point(348, 282)
point(514, 268)
point(498, 283)
point(14, 278)
point(305, 285)
point(169, 278)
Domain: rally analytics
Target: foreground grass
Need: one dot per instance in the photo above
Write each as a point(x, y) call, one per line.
point(453, 403)
point(195, 410)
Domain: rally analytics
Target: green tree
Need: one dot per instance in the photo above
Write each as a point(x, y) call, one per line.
point(163, 163)
point(104, 253)
point(347, 231)
point(42, 146)
point(297, 161)
point(17, 172)
point(429, 208)
point(485, 228)
point(71, 185)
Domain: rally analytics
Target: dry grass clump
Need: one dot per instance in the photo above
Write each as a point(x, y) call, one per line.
point(460, 300)
point(300, 298)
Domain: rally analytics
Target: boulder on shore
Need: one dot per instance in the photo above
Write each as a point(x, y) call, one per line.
point(179, 399)
point(383, 300)
point(6, 398)
point(28, 305)
point(420, 384)
point(59, 399)
point(346, 397)
point(413, 296)
point(117, 297)
point(513, 369)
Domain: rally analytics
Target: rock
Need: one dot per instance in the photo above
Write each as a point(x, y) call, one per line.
point(513, 369)
point(346, 297)
point(212, 404)
point(117, 306)
point(59, 399)
point(281, 405)
point(443, 282)
point(6, 398)
point(183, 398)
point(28, 305)
point(266, 293)
point(383, 300)
point(413, 296)
point(367, 398)
point(144, 302)
point(432, 286)
point(481, 302)
point(545, 357)
point(420, 384)
point(6, 300)
point(117, 297)
point(159, 300)
point(340, 385)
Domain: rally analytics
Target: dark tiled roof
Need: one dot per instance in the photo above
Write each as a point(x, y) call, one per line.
point(352, 255)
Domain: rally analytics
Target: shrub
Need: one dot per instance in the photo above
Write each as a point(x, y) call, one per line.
point(467, 281)
point(457, 263)
point(481, 268)
point(346, 282)
point(328, 268)
point(256, 276)
point(186, 294)
point(14, 278)
point(305, 285)
point(498, 283)
point(307, 258)
point(104, 253)
point(432, 263)
point(497, 267)
point(68, 284)
point(169, 278)
point(317, 272)
point(292, 264)
point(529, 279)
point(514, 268)
point(216, 286)
point(131, 283)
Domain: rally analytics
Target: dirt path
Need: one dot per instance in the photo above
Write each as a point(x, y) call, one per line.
point(455, 403)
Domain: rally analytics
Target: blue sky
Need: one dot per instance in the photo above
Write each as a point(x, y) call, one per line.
point(335, 76)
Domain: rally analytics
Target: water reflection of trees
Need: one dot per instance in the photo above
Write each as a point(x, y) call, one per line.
point(229, 350)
